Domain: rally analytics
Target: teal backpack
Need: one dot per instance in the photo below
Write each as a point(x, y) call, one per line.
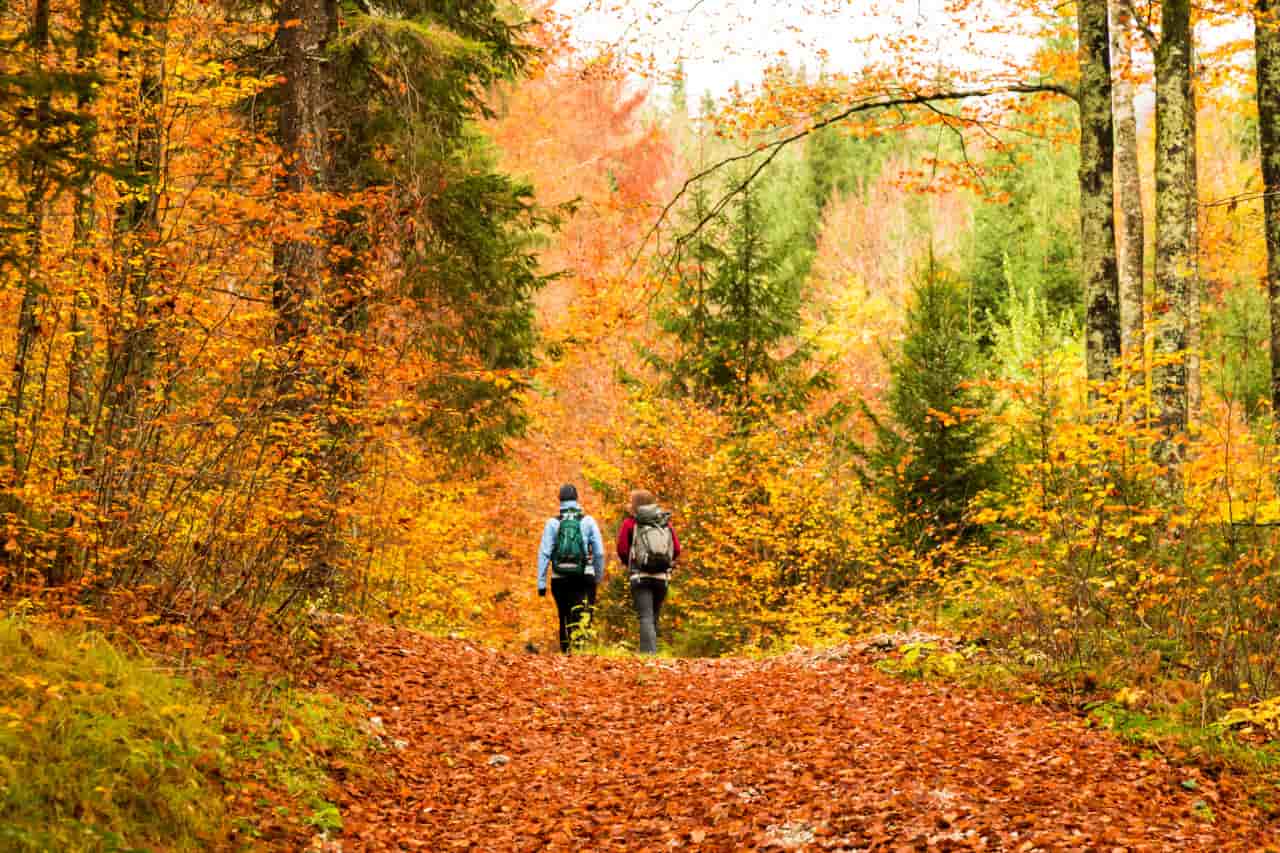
point(569, 554)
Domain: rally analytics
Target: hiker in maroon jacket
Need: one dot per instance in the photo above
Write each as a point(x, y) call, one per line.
point(648, 547)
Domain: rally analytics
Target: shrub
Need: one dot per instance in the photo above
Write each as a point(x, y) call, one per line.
point(102, 750)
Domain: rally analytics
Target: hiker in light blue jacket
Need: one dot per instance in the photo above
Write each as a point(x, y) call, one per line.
point(573, 550)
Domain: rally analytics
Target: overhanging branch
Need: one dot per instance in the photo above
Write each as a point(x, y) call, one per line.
point(772, 149)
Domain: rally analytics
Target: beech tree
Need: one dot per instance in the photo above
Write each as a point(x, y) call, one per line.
point(36, 183)
point(1101, 286)
point(1176, 199)
point(1129, 181)
point(77, 434)
point(1267, 54)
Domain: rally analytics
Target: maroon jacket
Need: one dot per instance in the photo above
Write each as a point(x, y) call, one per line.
point(624, 539)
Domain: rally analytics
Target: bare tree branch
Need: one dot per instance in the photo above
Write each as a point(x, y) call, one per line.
point(1239, 198)
point(950, 122)
point(1144, 27)
point(772, 149)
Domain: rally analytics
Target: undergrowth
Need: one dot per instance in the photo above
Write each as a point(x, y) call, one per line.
point(103, 750)
point(1242, 740)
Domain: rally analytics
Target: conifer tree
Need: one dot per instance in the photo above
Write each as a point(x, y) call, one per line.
point(466, 232)
point(931, 460)
point(736, 312)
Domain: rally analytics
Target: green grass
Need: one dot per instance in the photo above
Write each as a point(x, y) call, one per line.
point(1176, 739)
point(288, 745)
point(105, 751)
point(1167, 731)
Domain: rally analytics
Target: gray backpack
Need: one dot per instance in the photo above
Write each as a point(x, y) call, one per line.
point(653, 547)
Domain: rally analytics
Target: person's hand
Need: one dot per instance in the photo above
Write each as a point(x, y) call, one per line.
point(542, 592)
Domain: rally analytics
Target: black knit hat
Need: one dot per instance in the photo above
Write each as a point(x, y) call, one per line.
point(568, 493)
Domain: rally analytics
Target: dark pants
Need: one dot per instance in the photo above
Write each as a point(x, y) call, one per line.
point(648, 595)
point(574, 599)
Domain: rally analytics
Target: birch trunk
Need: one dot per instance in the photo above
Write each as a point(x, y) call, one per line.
point(1195, 288)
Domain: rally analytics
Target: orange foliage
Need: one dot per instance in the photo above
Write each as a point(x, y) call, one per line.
point(869, 255)
point(746, 754)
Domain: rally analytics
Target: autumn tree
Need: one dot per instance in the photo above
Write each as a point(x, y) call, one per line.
point(132, 348)
point(36, 181)
point(39, 131)
point(252, 250)
point(77, 433)
point(49, 128)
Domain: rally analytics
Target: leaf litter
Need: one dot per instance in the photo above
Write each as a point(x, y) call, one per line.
point(531, 753)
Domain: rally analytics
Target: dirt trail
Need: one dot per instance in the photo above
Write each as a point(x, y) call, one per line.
point(523, 752)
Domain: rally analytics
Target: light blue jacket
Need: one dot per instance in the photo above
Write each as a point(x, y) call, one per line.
point(590, 531)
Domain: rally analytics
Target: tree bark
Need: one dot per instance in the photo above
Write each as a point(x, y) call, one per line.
point(301, 275)
point(1129, 186)
point(1100, 283)
point(77, 435)
point(121, 431)
point(305, 27)
point(1267, 23)
point(1175, 231)
point(137, 225)
point(76, 431)
point(35, 178)
point(1195, 287)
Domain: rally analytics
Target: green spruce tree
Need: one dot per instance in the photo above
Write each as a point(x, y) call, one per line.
point(932, 460)
point(735, 311)
point(469, 232)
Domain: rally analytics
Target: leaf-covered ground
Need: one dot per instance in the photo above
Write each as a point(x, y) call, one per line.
point(495, 751)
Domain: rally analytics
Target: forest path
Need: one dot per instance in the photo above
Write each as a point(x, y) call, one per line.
point(504, 751)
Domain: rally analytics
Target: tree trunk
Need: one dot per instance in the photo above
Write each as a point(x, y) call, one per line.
point(1267, 21)
point(1195, 287)
point(76, 433)
point(35, 179)
point(132, 355)
point(1129, 188)
point(131, 349)
point(1100, 283)
point(1175, 231)
point(302, 273)
point(305, 27)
